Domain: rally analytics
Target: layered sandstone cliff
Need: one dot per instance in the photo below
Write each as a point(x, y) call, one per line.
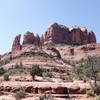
point(57, 33)
point(16, 43)
point(70, 35)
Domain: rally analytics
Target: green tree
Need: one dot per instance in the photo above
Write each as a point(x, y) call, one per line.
point(20, 94)
point(6, 77)
point(35, 70)
point(2, 71)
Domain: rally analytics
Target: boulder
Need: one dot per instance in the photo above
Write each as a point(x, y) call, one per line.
point(60, 90)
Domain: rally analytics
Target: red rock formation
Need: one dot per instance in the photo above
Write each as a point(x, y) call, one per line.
point(42, 40)
point(16, 43)
point(91, 37)
point(55, 51)
point(60, 90)
point(43, 90)
point(57, 33)
point(75, 35)
point(71, 51)
point(37, 40)
point(30, 38)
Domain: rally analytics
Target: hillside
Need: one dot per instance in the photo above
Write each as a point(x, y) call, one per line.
point(55, 52)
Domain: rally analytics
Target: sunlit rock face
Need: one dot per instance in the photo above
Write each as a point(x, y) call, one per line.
point(70, 35)
point(28, 38)
point(16, 43)
point(56, 33)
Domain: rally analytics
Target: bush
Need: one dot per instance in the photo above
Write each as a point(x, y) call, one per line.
point(98, 97)
point(18, 70)
point(90, 92)
point(2, 71)
point(89, 70)
point(35, 70)
point(17, 79)
point(17, 66)
point(49, 79)
point(46, 97)
point(67, 78)
point(42, 97)
point(48, 74)
point(94, 88)
point(20, 94)
point(6, 77)
point(62, 77)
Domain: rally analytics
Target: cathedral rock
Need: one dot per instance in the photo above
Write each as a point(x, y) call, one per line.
point(57, 33)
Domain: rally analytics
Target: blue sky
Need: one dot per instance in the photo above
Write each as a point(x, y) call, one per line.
point(19, 16)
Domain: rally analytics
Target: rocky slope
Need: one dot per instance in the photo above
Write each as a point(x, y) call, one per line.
point(55, 52)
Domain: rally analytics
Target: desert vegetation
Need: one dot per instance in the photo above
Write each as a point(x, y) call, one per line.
point(88, 70)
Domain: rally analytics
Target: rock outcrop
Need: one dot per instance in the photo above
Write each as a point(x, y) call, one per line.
point(30, 38)
point(16, 43)
point(55, 52)
point(54, 89)
point(57, 33)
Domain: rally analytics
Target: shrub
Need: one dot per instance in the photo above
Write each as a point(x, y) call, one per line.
point(67, 78)
point(42, 97)
point(98, 97)
point(6, 77)
point(62, 77)
point(18, 70)
point(49, 79)
point(17, 79)
point(2, 71)
point(89, 70)
point(94, 88)
point(68, 72)
point(46, 97)
point(90, 92)
point(20, 94)
point(17, 66)
point(48, 74)
point(35, 70)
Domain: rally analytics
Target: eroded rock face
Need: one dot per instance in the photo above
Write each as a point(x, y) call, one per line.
point(37, 40)
point(44, 90)
point(71, 51)
point(60, 90)
point(70, 35)
point(29, 38)
point(16, 43)
point(42, 40)
point(57, 53)
point(57, 33)
point(91, 37)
